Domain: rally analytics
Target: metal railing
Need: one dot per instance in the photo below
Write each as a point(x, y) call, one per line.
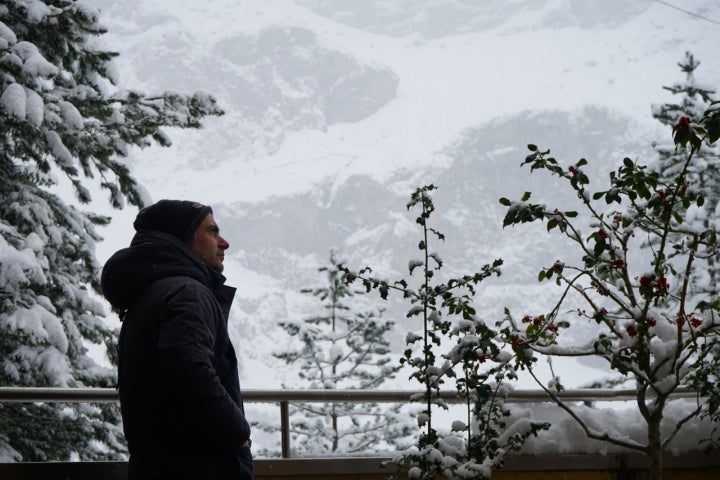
point(285, 397)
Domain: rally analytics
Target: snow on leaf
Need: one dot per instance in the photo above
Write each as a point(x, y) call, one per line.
point(112, 73)
point(55, 366)
point(39, 324)
point(14, 101)
point(34, 242)
point(51, 117)
point(466, 325)
point(91, 13)
point(9, 454)
point(71, 115)
point(117, 117)
point(412, 337)
point(7, 34)
point(412, 264)
point(36, 10)
point(18, 267)
point(58, 148)
point(422, 419)
point(204, 100)
point(504, 356)
point(458, 426)
point(34, 108)
point(34, 63)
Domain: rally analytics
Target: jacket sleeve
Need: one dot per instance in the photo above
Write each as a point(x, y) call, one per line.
point(187, 342)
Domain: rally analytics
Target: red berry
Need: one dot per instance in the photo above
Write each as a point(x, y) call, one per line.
point(684, 124)
point(631, 330)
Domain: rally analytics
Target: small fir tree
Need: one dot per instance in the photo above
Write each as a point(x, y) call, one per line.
point(702, 175)
point(342, 349)
point(61, 115)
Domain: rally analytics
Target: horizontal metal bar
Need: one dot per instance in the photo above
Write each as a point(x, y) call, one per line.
point(51, 394)
point(48, 394)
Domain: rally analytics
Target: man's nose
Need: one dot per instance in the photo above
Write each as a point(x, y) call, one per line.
point(224, 244)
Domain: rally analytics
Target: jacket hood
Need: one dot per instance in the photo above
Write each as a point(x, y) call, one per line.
point(150, 257)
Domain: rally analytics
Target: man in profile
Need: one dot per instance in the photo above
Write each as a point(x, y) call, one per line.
point(180, 397)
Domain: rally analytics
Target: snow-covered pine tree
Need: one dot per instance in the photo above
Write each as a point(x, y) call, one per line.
point(345, 349)
point(61, 115)
point(703, 173)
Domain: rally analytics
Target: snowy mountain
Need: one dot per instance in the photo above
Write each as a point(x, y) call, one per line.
point(337, 109)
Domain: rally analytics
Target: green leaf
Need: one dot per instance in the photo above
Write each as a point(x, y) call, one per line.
point(712, 125)
point(505, 201)
point(526, 196)
point(613, 195)
point(532, 148)
point(711, 121)
point(704, 306)
point(695, 141)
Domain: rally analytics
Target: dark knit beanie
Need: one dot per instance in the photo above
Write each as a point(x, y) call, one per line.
point(177, 217)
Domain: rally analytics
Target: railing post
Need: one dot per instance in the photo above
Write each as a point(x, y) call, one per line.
point(285, 428)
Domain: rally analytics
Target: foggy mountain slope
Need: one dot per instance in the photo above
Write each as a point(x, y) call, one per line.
point(367, 223)
point(439, 18)
point(337, 110)
point(275, 144)
point(274, 81)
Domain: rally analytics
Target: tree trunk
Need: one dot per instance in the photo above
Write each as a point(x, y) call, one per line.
point(336, 434)
point(654, 448)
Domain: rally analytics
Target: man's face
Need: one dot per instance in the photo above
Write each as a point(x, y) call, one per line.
point(208, 244)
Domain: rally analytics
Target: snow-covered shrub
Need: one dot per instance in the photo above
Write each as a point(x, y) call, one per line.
point(451, 344)
point(644, 275)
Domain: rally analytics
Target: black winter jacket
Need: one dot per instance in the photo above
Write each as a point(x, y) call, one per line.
point(180, 395)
